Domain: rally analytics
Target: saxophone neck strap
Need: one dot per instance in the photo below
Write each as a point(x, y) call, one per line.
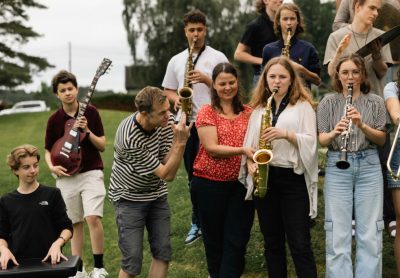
point(198, 55)
point(282, 106)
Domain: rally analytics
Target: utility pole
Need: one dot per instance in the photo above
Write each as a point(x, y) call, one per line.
point(69, 57)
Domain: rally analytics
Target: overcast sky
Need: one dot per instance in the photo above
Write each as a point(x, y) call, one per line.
point(95, 30)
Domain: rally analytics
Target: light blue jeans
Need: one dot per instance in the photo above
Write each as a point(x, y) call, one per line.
point(255, 80)
point(360, 186)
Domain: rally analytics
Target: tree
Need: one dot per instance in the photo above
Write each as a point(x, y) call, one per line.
point(16, 67)
point(318, 18)
point(160, 24)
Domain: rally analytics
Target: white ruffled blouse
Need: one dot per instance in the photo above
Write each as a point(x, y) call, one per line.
point(301, 119)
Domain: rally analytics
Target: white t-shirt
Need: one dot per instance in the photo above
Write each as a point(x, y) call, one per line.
point(175, 75)
point(390, 90)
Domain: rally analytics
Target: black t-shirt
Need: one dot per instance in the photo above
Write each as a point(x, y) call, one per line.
point(258, 33)
point(30, 223)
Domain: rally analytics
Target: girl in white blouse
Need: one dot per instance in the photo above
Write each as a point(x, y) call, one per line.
point(291, 197)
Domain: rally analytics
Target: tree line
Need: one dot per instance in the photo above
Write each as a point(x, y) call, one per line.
point(159, 24)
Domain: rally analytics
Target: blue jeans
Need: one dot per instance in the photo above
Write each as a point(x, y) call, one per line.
point(361, 184)
point(394, 164)
point(255, 80)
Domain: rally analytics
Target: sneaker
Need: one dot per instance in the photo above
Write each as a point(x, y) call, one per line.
point(81, 274)
point(98, 273)
point(193, 234)
point(353, 227)
point(392, 228)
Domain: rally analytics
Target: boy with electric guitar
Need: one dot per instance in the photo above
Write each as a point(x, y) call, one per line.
point(74, 140)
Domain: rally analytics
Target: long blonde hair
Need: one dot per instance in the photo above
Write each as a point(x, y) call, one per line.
point(296, 91)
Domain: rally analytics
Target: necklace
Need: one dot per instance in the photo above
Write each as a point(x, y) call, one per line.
point(355, 39)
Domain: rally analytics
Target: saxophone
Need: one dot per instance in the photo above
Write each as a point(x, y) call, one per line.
point(186, 92)
point(264, 155)
point(285, 50)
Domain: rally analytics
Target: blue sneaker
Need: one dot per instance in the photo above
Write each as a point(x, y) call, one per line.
point(193, 234)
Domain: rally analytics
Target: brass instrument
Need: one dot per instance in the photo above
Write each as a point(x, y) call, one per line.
point(264, 155)
point(186, 92)
point(285, 50)
point(342, 163)
point(395, 176)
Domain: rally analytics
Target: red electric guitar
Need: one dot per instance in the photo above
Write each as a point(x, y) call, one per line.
point(66, 151)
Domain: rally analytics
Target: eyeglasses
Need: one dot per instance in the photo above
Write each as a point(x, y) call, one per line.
point(354, 73)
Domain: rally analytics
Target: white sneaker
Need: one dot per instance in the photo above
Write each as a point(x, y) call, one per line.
point(392, 228)
point(81, 274)
point(98, 273)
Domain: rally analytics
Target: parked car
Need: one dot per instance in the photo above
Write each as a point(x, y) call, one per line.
point(26, 107)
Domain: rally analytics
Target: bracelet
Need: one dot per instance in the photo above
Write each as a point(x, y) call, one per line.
point(65, 241)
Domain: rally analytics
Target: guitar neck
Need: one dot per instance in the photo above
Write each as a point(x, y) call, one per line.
point(85, 102)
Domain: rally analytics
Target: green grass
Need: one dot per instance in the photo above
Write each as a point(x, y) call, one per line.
point(188, 261)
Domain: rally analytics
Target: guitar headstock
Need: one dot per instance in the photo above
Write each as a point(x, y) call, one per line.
point(102, 69)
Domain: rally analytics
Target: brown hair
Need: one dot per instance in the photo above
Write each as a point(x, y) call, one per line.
point(297, 91)
point(215, 100)
point(145, 99)
point(63, 77)
point(359, 62)
point(291, 7)
point(23, 151)
point(260, 6)
point(360, 2)
point(194, 16)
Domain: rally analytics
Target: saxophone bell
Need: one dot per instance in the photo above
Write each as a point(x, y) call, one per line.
point(186, 92)
point(264, 155)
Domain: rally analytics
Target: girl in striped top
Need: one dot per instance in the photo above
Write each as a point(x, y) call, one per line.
point(361, 184)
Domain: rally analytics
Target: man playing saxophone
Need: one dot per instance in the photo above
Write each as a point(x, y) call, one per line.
point(291, 197)
point(204, 59)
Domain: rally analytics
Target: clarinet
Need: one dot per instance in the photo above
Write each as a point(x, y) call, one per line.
point(342, 163)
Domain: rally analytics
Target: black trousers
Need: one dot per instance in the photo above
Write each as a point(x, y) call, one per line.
point(191, 150)
point(226, 220)
point(283, 214)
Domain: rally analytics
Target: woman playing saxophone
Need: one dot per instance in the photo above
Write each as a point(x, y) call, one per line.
point(293, 171)
point(288, 25)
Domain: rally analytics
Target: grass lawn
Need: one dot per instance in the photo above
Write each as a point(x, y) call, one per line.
point(188, 261)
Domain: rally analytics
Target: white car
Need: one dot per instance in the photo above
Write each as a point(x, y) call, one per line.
point(26, 107)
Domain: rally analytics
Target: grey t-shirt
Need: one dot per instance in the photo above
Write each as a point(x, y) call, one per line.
point(357, 41)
